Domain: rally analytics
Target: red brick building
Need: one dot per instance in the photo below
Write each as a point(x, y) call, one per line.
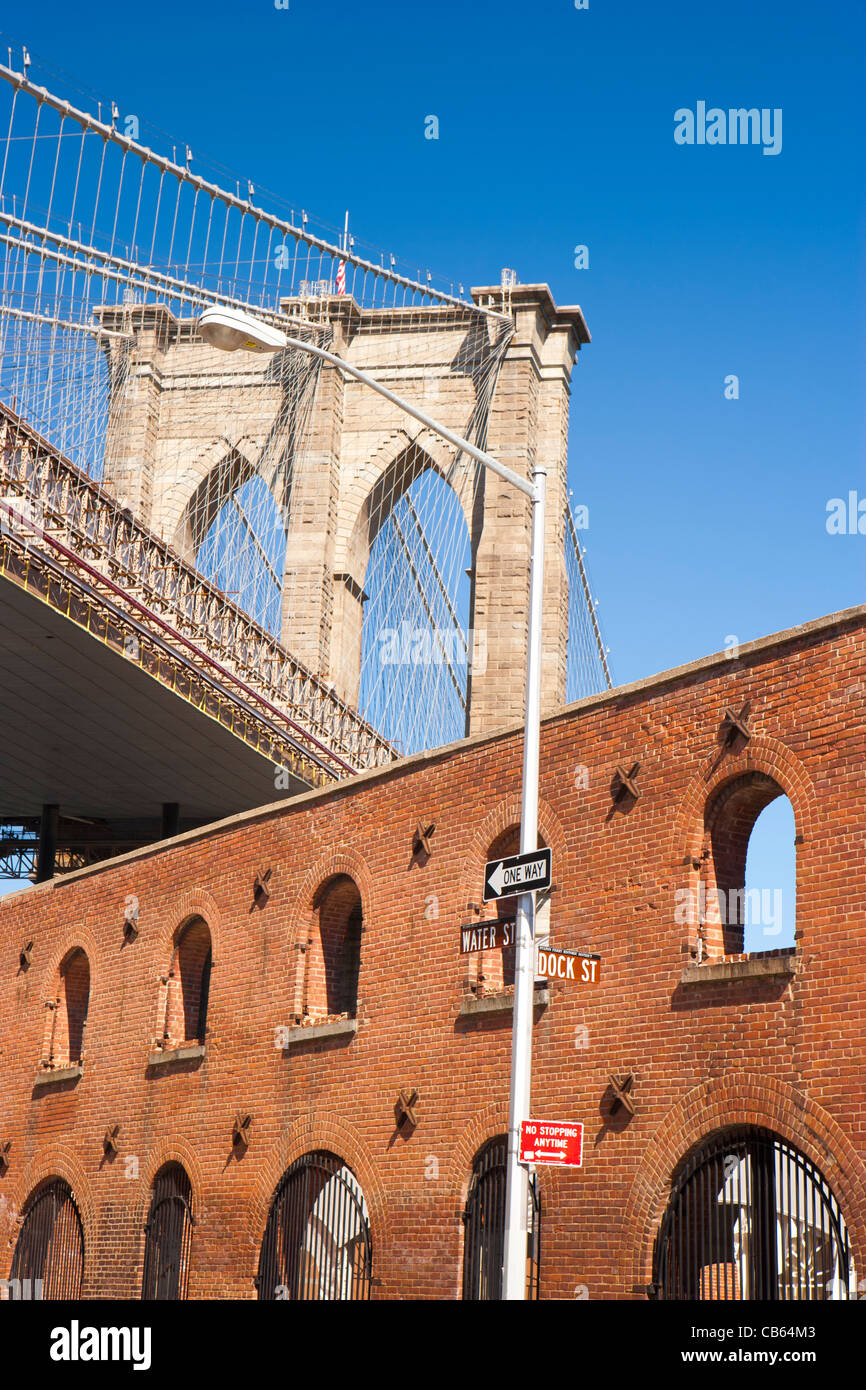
point(182, 1025)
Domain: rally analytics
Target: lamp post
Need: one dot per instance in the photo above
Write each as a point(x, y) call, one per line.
point(230, 330)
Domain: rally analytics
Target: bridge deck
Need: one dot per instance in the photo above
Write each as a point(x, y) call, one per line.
point(67, 539)
point(127, 681)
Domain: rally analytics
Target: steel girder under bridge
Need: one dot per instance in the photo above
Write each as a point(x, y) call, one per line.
point(137, 699)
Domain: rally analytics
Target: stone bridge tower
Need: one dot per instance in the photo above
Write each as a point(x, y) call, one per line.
point(170, 454)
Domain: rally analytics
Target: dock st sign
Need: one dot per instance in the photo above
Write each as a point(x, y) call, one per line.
point(522, 873)
point(568, 965)
point(551, 1141)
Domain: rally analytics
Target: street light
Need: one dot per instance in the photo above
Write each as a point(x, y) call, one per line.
point(230, 330)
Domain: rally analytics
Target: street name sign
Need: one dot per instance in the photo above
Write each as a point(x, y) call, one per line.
point(522, 873)
point(568, 965)
point(551, 1141)
point(487, 936)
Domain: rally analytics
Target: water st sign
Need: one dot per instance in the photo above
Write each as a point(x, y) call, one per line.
point(521, 873)
point(551, 1142)
point(584, 969)
point(487, 936)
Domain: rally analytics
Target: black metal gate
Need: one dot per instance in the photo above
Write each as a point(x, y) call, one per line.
point(169, 1235)
point(50, 1246)
point(484, 1227)
point(750, 1217)
point(317, 1241)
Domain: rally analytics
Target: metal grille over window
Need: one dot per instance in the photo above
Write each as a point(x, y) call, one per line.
point(750, 1217)
point(484, 1228)
point(50, 1246)
point(169, 1235)
point(317, 1241)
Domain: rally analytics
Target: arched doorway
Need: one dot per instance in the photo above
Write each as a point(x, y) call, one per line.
point(50, 1245)
point(751, 1217)
point(484, 1227)
point(169, 1235)
point(317, 1242)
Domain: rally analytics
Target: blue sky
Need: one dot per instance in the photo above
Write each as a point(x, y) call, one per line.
point(707, 515)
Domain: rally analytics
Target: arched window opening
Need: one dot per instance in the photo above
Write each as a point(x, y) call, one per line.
point(168, 1236)
point(750, 1217)
point(771, 880)
point(69, 1016)
point(49, 1252)
point(317, 1242)
point(188, 987)
point(333, 958)
point(734, 914)
point(484, 1227)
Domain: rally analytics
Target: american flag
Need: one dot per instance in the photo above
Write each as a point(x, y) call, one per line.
point(341, 277)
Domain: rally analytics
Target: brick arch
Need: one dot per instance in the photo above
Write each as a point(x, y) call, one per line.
point(762, 754)
point(743, 1098)
point(315, 1131)
point(302, 913)
point(177, 915)
point(51, 984)
point(342, 861)
point(485, 1125)
point(704, 800)
point(78, 940)
point(488, 1124)
point(55, 1161)
point(178, 912)
point(173, 1148)
point(504, 815)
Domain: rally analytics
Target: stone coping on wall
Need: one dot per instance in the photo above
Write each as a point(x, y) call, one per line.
point(500, 1003)
point(749, 967)
point(176, 1054)
point(52, 1074)
point(342, 1027)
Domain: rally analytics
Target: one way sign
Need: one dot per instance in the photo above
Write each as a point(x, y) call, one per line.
point(522, 873)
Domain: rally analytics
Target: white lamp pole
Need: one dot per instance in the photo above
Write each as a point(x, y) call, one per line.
point(230, 329)
point(517, 1186)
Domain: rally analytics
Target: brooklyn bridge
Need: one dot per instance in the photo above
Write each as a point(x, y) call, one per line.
point(202, 556)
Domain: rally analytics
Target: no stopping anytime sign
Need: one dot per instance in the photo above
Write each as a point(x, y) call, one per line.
point(551, 1141)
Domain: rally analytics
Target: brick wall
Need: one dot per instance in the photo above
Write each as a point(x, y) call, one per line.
point(774, 1050)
